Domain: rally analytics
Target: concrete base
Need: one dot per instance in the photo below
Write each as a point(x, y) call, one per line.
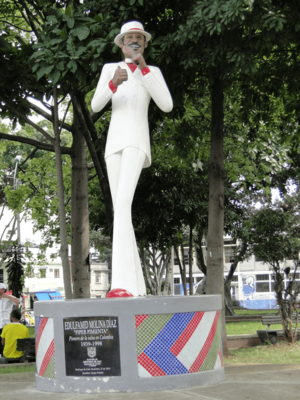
point(129, 344)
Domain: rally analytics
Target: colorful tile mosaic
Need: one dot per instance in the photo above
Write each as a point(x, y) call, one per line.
point(182, 343)
point(45, 352)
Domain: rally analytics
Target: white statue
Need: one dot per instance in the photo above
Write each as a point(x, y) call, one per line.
point(130, 84)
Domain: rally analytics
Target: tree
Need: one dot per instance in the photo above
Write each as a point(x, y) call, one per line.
point(15, 270)
point(275, 230)
point(44, 26)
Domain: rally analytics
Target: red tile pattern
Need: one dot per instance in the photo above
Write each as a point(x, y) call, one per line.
point(48, 356)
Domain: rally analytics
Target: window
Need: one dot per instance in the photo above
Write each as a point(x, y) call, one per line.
point(262, 277)
point(176, 280)
point(1, 275)
point(262, 287)
point(229, 254)
point(97, 277)
point(229, 242)
point(56, 273)
point(258, 258)
point(235, 278)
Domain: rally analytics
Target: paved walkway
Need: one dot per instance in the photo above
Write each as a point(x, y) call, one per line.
point(243, 382)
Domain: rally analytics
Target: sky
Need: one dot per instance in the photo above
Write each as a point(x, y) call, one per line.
point(26, 228)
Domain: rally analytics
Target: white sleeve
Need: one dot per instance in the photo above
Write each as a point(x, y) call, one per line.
point(158, 89)
point(103, 93)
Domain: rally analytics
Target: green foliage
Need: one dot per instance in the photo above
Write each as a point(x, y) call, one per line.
point(71, 44)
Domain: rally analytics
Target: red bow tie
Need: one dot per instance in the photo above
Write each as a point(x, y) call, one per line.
point(132, 66)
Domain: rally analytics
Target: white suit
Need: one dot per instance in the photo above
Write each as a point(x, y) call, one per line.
point(127, 152)
point(129, 121)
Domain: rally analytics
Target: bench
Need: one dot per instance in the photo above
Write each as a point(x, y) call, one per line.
point(271, 335)
point(28, 347)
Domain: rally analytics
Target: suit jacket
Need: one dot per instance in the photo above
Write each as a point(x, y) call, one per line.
point(129, 119)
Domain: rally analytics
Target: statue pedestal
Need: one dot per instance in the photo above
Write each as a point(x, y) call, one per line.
point(129, 344)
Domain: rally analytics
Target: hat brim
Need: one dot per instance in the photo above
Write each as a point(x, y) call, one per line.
point(121, 35)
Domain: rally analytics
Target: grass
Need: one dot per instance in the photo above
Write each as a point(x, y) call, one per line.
point(247, 328)
point(281, 353)
point(254, 312)
point(31, 331)
point(13, 369)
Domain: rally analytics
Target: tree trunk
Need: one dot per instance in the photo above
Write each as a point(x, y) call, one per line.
point(181, 268)
point(169, 275)
point(191, 261)
point(61, 202)
point(97, 157)
point(215, 262)
point(227, 298)
point(200, 259)
point(80, 216)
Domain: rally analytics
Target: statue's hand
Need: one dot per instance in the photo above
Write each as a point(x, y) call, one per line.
point(119, 77)
point(139, 60)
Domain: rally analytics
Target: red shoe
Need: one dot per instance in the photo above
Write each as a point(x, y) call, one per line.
point(119, 293)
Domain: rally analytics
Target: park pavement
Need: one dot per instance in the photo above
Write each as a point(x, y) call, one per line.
point(243, 382)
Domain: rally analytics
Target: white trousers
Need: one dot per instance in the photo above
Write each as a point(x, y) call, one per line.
point(124, 169)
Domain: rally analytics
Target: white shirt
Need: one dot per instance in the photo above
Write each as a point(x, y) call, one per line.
point(6, 306)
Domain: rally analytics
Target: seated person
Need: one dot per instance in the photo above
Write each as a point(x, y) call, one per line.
point(11, 332)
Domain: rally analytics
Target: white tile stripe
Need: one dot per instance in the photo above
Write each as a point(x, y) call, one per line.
point(218, 363)
point(142, 372)
point(45, 340)
point(190, 351)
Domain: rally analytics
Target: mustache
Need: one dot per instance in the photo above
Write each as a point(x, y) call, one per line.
point(134, 44)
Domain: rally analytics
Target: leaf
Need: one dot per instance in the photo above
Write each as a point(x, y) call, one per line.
point(95, 43)
point(101, 48)
point(64, 33)
point(70, 22)
point(51, 18)
point(60, 65)
point(44, 71)
point(35, 67)
point(80, 51)
point(98, 18)
point(55, 41)
point(94, 65)
point(72, 65)
point(81, 32)
point(69, 11)
point(37, 54)
point(54, 76)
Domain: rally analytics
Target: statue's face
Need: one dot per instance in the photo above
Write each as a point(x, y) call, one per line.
point(133, 43)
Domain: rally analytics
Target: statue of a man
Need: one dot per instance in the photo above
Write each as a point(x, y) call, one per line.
point(130, 84)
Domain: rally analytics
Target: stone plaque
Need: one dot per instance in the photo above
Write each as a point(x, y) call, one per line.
point(92, 346)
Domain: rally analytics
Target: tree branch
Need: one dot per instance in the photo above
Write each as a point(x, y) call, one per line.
point(33, 142)
point(48, 117)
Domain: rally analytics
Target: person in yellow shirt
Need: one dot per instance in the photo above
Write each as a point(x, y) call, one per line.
point(10, 333)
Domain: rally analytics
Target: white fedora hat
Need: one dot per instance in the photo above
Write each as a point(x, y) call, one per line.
point(132, 26)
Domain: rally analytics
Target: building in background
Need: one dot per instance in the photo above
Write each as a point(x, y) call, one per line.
point(252, 284)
